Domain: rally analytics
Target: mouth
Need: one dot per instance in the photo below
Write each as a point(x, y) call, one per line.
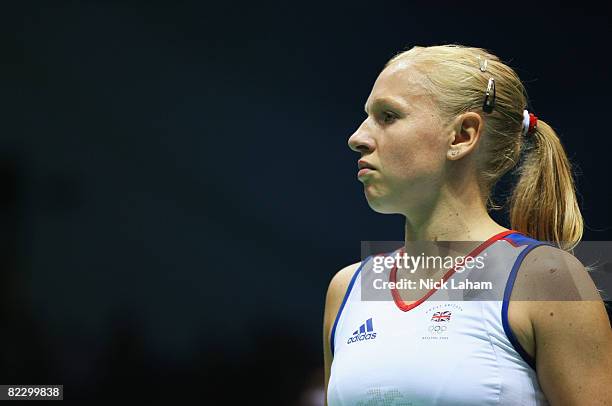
point(365, 165)
point(365, 168)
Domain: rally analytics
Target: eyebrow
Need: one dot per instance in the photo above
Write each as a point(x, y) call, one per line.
point(385, 101)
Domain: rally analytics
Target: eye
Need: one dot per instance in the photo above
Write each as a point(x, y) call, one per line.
point(388, 117)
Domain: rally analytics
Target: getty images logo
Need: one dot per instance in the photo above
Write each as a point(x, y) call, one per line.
point(365, 332)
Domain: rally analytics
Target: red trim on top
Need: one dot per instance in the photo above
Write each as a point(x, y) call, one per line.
point(511, 242)
point(393, 274)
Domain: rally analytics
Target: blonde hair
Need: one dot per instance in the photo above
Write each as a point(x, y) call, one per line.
point(543, 203)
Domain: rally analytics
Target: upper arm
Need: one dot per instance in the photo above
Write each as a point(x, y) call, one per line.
point(572, 331)
point(335, 294)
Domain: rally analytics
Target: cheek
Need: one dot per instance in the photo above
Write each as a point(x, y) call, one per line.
point(415, 156)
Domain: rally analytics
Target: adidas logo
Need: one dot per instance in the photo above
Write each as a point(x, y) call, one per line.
point(365, 332)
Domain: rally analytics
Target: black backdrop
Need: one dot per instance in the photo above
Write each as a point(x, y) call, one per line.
point(177, 190)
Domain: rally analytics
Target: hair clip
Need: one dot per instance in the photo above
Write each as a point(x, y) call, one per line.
point(489, 101)
point(483, 64)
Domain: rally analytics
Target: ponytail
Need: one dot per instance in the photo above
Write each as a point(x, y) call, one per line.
point(543, 204)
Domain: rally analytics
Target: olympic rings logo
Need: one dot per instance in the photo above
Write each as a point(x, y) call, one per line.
point(437, 329)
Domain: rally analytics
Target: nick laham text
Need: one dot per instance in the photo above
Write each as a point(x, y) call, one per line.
point(432, 284)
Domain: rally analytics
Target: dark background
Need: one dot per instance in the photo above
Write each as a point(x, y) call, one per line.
point(177, 190)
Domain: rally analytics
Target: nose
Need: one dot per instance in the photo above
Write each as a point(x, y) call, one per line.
point(361, 141)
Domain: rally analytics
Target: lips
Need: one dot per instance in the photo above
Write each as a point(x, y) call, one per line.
point(365, 165)
point(364, 168)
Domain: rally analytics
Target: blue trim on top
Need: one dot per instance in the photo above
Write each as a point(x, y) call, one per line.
point(346, 295)
point(520, 239)
point(531, 243)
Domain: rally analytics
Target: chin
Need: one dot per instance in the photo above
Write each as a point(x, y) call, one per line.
point(384, 210)
point(380, 205)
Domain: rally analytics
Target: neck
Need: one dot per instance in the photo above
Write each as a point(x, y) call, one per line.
point(450, 216)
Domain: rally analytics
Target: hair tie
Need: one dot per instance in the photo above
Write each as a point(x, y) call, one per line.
point(530, 123)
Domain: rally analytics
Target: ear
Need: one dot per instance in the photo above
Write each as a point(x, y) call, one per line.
point(465, 135)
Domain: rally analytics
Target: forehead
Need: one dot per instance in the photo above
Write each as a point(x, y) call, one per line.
point(400, 82)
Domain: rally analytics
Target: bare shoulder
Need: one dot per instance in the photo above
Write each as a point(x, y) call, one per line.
point(552, 285)
point(342, 278)
point(559, 299)
point(335, 294)
point(337, 289)
point(551, 274)
point(571, 330)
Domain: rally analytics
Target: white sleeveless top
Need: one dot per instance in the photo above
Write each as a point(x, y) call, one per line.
point(435, 351)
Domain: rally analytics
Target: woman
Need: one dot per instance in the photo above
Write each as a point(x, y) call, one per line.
point(443, 124)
